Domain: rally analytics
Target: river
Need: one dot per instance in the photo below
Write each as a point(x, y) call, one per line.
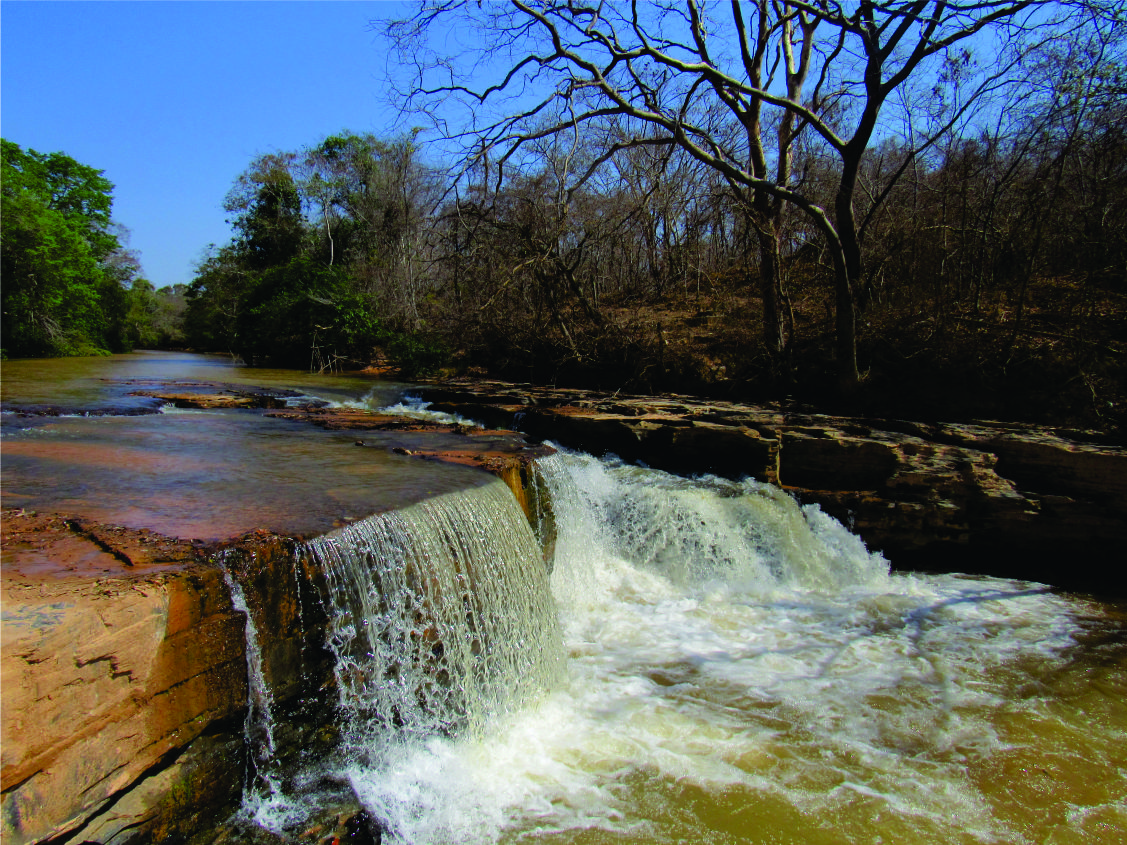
point(204, 474)
point(706, 661)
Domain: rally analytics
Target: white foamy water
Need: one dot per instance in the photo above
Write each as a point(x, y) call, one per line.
point(409, 406)
point(742, 670)
point(415, 408)
point(738, 669)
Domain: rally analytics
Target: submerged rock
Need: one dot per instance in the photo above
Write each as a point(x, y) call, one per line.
point(206, 395)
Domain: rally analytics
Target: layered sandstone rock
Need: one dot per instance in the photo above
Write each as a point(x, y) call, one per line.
point(125, 664)
point(123, 682)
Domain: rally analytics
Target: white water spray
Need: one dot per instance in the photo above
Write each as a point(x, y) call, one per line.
point(441, 616)
point(698, 532)
point(738, 669)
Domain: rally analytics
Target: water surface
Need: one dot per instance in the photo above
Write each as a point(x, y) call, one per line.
point(198, 474)
point(742, 670)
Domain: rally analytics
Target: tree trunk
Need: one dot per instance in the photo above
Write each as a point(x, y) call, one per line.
point(845, 320)
point(846, 254)
point(777, 327)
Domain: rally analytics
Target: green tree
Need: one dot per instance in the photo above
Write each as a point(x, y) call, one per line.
point(63, 288)
point(324, 258)
point(215, 300)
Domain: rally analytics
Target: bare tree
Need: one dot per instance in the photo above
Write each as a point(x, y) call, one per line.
point(713, 83)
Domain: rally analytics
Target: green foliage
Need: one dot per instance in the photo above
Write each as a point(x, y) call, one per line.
point(319, 271)
point(154, 318)
point(214, 301)
point(302, 305)
point(62, 292)
point(417, 354)
point(268, 214)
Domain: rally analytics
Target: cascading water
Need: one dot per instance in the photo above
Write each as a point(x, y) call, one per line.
point(743, 670)
point(699, 531)
point(442, 615)
point(263, 798)
point(442, 623)
point(737, 669)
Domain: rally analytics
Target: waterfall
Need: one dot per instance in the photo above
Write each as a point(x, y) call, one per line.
point(441, 623)
point(441, 616)
point(259, 720)
point(736, 534)
point(735, 663)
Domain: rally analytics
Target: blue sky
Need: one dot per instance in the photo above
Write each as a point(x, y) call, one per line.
point(173, 99)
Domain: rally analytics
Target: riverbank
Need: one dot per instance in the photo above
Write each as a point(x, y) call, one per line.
point(995, 498)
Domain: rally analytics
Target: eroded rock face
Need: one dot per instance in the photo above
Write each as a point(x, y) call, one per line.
point(120, 651)
point(125, 675)
point(995, 498)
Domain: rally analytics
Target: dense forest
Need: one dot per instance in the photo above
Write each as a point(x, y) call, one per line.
point(830, 220)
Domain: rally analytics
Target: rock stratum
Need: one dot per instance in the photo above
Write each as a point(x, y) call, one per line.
point(124, 682)
point(124, 658)
point(996, 498)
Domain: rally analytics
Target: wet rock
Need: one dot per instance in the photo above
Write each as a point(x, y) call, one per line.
point(124, 673)
point(359, 419)
point(286, 595)
point(214, 400)
point(207, 395)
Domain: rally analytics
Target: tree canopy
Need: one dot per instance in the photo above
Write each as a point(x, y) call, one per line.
point(323, 267)
point(919, 202)
point(65, 272)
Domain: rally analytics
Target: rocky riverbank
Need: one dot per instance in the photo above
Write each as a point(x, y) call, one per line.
point(997, 498)
point(124, 682)
point(125, 664)
point(124, 655)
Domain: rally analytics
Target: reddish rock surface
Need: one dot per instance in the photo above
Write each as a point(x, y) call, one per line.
point(120, 648)
point(501, 452)
point(214, 400)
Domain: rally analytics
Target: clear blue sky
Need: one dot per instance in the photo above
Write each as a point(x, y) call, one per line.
point(173, 99)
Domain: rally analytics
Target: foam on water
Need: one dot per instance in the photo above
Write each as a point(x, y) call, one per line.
point(409, 405)
point(170, 408)
point(739, 669)
point(441, 617)
point(415, 408)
